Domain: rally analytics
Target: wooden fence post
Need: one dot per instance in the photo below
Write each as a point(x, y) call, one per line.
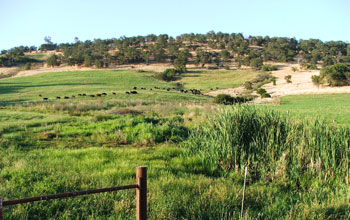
point(0, 208)
point(141, 193)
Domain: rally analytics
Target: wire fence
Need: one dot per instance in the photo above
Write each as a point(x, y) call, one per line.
point(140, 186)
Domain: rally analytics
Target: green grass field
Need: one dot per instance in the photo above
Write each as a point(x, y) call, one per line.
point(211, 79)
point(58, 146)
point(37, 56)
point(327, 107)
point(50, 85)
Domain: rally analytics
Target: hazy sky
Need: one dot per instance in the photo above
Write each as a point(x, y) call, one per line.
point(27, 22)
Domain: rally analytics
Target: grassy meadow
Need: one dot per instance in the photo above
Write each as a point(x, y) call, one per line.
point(207, 80)
point(327, 107)
point(194, 150)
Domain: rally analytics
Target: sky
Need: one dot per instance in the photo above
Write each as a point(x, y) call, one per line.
point(27, 22)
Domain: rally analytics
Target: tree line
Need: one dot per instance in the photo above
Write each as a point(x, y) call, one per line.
point(199, 49)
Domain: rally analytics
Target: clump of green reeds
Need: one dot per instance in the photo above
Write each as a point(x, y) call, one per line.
point(272, 146)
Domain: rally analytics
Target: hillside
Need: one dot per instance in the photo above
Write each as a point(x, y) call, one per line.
point(211, 49)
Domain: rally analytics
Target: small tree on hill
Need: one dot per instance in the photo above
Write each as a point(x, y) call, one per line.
point(225, 55)
point(263, 93)
point(248, 85)
point(294, 68)
point(53, 60)
point(256, 63)
point(288, 78)
point(316, 80)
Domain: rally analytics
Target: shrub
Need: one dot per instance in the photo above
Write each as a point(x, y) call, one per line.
point(226, 67)
point(98, 63)
point(288, 78)
point(53, 60)
point(274, 81)
point(28, 66)
point(256, 63)
point(316, 80)
point(267, 68)
point(223, 99)
point(167, 75)
point(248, 85)
point(294, 69)
point(336, 75)
point(311, 66)
point(229, 100)
point(262, 77)
point(263, 93)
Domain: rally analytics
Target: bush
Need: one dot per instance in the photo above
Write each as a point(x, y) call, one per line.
point(223, 99)
point(248, 85)
point(288, 78)
point(256, 63)
point(53, 60)
point(262, 77)
point(28, 66)
point(310, 66)
point(226, 67)
point(267, 68)
point(229, 100)
point(263, 93)
point(316, 80)
point(294, 69)
point(274, 81)
point(98, 63)
point(336, 75)
point(167, 75)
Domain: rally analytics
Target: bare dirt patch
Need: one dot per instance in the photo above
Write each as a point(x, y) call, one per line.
point(301, 83)
point(8, 70)
point(50, 69)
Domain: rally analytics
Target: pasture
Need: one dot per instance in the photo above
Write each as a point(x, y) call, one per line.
point(327, 107)
point(211, 79)
point(88, 142)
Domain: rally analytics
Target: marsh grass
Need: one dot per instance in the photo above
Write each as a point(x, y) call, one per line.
point(302, 152)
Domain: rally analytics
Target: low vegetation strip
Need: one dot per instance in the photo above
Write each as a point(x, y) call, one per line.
point(302, 153)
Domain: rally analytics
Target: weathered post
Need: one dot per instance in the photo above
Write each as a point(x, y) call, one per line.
point(0, 208)
point(141, 193)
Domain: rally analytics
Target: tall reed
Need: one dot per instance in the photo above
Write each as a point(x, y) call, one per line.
point(272, 145)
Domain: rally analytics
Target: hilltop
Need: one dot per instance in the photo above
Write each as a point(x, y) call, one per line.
point(203, 50)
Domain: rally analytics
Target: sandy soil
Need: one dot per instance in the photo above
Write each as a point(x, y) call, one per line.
point(152, 67)
point(7, 70)
point(50, 69)
point(301, 84)
point(156, 67)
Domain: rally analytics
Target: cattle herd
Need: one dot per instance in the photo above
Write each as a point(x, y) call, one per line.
point(193, 91)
